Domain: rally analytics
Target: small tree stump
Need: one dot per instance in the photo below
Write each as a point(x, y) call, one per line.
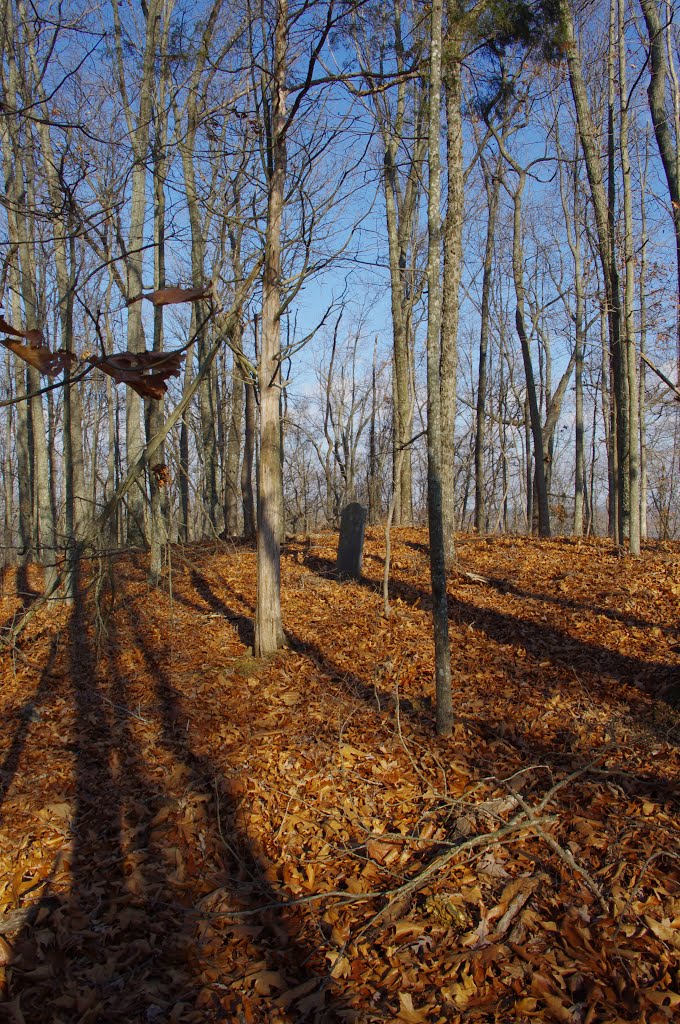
point(351, 543)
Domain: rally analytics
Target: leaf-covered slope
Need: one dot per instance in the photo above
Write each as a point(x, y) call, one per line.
point(190, 834)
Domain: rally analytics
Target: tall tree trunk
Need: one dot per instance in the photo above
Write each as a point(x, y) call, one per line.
point(138, 129)
point(532, 395)
point(493, 194)
point(234, 443)
point(642, 286)
point(10, 552)
point(154, 407)
point(440, 609)
point(25, 278)
point(609, 421)
point(453, 262)
point(605, 249)
point(668, 146)
point(268, 625)
point(402, 184)
point(184, 496)
point(76, 509)
point(373, 479)
point(630, 362)
point(248, 464)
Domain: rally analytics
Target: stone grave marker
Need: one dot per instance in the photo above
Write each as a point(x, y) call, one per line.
point(351, 543)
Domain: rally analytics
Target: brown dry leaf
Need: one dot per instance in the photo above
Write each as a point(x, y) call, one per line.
point(34, 336)
point(490, 865)
point(48, 363)
point(405, 929)
point(664, 930)
point(463, 990)
point(340, 965)
point(663, 997)
point(541, 986)
point(313, 1003)
point(5, 952)
point(291, 698)
point(173, 295)
point(293, 994)
point(264, 981)
point(383, 852)
point(407, 1011)
point(145, 372)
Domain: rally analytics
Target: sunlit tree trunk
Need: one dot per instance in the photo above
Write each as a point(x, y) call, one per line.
point(630, 362)
point(453, 263)
point(268, 625)
point(248, 463)
point(440, 610)
point(138, 125)
point(76, 507)
point(537, 433)
point(667, 145)
point(10, 552)
point(492, 185)
point(602, 208)
point(642, 286)
point(234, 442)
point(154, 407)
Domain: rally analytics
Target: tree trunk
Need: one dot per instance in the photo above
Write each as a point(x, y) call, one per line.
point(642, 286)
point(543, 508)
point(493, 195)
point(234, 443)
point(138, 127)
point(268, 625)
point(668, 147)
point(605, 247)
point(247, 466)
point(630, 362)
point(440, 609)
point(453, 262)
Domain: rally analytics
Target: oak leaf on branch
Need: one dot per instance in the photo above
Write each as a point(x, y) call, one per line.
point(34, 336)
point(171, 296)
point(47, 362)
point(144, 372)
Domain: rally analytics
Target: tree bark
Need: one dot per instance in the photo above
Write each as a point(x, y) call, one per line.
point(493, 195)
point(605, 249)
point(532, 396)
point(633, 396)
point(138, 128)
point(268, 624)
point(248, 464)
point(440, 611)
point(668, 147)
point(453, 262)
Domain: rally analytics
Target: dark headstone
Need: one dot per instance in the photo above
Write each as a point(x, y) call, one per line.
point(351, 543)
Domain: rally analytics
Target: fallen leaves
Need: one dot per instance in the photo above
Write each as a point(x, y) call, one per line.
point(191, 834)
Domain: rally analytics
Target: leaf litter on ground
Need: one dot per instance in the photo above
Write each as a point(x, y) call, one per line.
point(191, 834)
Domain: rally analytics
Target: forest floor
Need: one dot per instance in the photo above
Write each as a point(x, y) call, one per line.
point(191, 834)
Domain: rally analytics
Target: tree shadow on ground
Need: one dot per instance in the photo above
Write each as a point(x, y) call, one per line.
point(245, 625)
point(419, 713)
point(505, 586)
point(25, 592)
point(22, 718)
point(541, 641)
point(126, 931)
